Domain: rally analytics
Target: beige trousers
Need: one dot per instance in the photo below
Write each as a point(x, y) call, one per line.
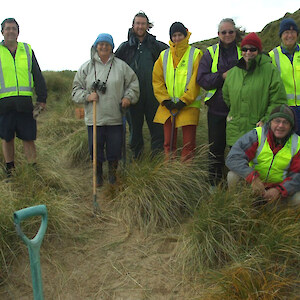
point(233, 179)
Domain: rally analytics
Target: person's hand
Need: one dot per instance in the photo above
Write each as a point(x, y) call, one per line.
point(272, 194)
point(224, 75)
point(180, 105)
point(169, 104)
point(125, 102)
point(258, 187)
point(93, 96)
point(260, 124)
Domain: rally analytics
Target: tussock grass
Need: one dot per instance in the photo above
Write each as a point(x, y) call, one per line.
point(59, 82)
point(239, 251)
point(157, 194)
point(250, 252)
point(218, 229)
point(49, 183)
point(76, 147)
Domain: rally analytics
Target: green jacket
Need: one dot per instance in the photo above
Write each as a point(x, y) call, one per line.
point(251, 95)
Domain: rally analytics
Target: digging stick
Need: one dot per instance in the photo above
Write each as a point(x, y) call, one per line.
point(172, 131)
point(95, 203)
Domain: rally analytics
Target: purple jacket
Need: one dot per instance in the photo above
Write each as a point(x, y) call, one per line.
point(228, 58)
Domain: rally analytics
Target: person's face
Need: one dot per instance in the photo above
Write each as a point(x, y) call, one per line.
point(280, 127)
point(289, 38)
point(104, 49)
point(177, 37)
point(10, 32)
point(227, 33)
point(249, 52)
point(140, 26)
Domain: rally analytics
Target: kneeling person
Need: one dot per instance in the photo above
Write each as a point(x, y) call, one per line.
point(268, 158)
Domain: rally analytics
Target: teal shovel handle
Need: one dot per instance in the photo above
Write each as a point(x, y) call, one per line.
point(33, 244)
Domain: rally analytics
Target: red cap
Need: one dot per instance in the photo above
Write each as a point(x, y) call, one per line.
point(253, 40)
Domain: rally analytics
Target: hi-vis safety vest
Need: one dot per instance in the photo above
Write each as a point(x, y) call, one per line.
point(178, 79)
point(290, 74)
point(274, 168)
point(15, 74)
point(214, 51)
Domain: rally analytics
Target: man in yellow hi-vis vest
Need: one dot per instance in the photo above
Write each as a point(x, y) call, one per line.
point(286, 58)
point(19, 72)
point(213, 68)
point(268, 158)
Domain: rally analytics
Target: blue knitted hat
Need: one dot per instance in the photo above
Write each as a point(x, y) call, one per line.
point(288, 24)
point(104, 37)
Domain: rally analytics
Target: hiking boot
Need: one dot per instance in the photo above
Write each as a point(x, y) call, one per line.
point(112, 169)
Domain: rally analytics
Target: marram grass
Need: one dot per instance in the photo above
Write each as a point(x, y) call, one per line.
point(157, 194)
point(250, 252)
point(48, 183)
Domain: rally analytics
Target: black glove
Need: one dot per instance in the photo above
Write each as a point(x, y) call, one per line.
point(179, 105)
point(169, 104)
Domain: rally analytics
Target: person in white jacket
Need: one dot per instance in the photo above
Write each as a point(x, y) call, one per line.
point(114, 86)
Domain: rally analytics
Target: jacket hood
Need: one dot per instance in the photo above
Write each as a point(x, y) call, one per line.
point(183, 43)
point(178, 49)
point(95, 56)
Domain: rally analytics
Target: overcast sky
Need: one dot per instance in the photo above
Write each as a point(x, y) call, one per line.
point(62, 32)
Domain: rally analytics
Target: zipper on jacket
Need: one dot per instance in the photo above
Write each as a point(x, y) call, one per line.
point(174, 86)
point(270, 168)
point(139, 46)
point(18, 90)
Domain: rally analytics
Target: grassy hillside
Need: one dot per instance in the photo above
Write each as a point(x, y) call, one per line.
point(161, 234)
point(268, 35)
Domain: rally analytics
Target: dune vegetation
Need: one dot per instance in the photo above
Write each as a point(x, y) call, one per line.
point(227, 245)
point(161, 234)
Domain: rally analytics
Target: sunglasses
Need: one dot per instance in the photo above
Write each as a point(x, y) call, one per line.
point(249, 49)
point(229, 32)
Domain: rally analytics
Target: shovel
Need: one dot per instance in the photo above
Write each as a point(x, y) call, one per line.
point(123, 112)
point(34, 244)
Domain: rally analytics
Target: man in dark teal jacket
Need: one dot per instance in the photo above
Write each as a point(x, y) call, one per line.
point(140, 52)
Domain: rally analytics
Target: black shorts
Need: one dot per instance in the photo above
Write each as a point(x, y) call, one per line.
point(18, 124)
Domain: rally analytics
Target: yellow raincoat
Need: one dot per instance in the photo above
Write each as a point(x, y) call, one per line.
point(187, 115)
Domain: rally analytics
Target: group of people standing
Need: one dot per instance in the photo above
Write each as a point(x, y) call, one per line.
point(253, 100)
point(246, 92)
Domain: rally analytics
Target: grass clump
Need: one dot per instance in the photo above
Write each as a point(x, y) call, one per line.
point(157, 194)
point(49, 183)
point(250, 252)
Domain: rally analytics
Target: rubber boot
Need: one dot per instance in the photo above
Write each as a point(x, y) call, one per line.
point(99, 175)
point(112, 169)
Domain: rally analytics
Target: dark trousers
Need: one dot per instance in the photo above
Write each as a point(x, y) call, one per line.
point(21, 124)
point(109, 142)
point(296, 110)
point(217, 141)
point(145, 109)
